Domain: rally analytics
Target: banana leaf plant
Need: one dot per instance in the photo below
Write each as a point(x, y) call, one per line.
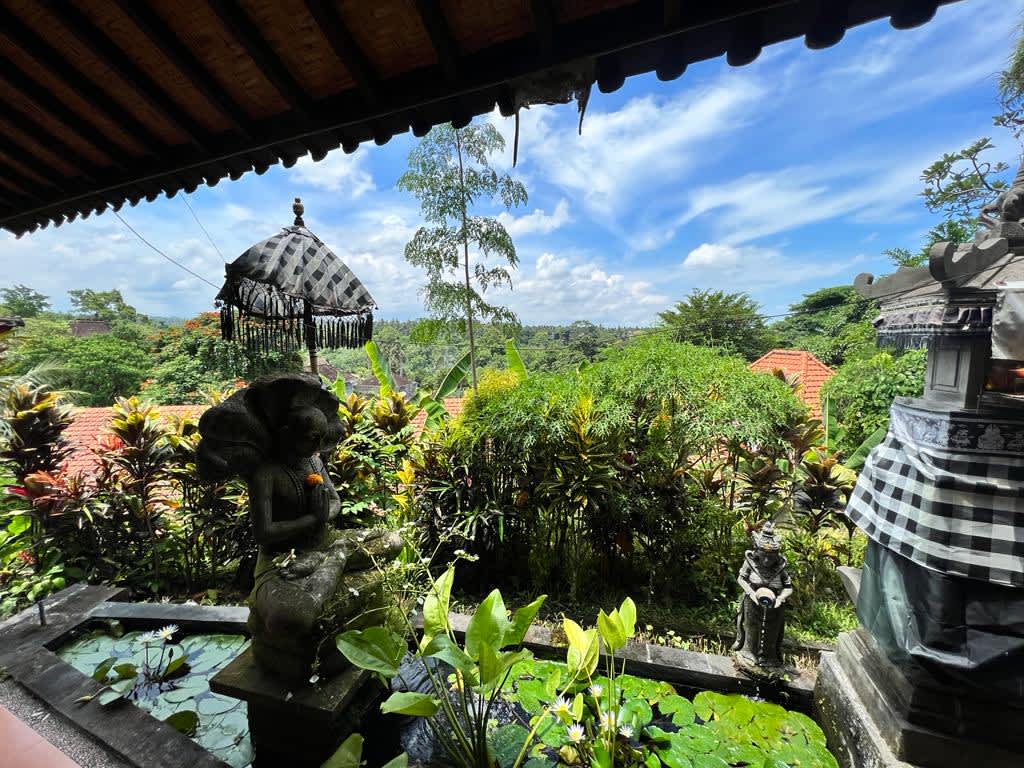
point(457, 710)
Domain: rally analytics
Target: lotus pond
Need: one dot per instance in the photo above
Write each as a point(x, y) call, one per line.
point(658, 726)
point(177, 686)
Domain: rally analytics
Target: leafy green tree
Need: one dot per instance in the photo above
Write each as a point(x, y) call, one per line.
point(956, 186)
point(107, 305)
point(1011, 90)
point(22, 301)
point(862, 391)
point(834, 324)
point(449, 173)
point(729, 321)
point(103, 367)
point(193, 359)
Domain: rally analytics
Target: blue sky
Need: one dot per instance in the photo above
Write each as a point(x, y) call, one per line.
point(787, 175)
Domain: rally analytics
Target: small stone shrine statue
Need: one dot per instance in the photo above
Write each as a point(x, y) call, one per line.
point(312, 580)
point(760, 622)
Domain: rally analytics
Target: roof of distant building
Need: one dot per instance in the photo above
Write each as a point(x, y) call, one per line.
point(89, 326)
point(90, 423)
point(8, 324)
point(804, 367)
point(453, 405)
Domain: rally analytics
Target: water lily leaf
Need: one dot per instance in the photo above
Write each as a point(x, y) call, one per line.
point(698, 738)
point(708, 761)
point(651, 690)
point(184, 722)
point(418, 704)
point(710, 705)
point(103, 668)
point(109, 696)
point(126, 671)
point(553, 733)
point(176, 667)
point(801, 724)
point(636, 713)
point(506, 741)
point(680, 709)
point(532, 696)
point(215, 705)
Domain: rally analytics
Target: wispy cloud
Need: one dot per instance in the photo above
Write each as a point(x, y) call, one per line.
point(537, 222)
point(337, 172)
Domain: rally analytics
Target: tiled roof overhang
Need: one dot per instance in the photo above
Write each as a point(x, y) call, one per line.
point(104, 102)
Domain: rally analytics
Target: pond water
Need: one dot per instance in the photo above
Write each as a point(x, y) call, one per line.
point(223, 726)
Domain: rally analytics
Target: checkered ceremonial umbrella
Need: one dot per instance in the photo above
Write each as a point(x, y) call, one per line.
point(290, 290)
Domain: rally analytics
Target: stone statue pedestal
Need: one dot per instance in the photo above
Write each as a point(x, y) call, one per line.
point(874, 717)
point(299, 726)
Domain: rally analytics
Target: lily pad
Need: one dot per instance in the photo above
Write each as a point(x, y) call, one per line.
point(506, 742)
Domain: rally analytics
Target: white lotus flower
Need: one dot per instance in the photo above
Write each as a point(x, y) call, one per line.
point(596, 691)
point(167, 632)
point(626, 732)
point(609, 721)
point(576, 733)
point(562, 706)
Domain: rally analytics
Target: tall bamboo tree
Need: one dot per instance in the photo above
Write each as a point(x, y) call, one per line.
point(450, 174)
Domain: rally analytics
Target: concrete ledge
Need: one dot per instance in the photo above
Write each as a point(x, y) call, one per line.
point(852, 735)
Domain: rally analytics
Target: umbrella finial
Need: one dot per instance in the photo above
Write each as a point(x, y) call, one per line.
point(298, 209)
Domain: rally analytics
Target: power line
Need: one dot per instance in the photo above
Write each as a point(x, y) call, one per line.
point(175, 263)
point(184, 199)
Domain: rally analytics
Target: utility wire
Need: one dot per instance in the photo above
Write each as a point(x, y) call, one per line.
point(184, 199)
point(175, 263)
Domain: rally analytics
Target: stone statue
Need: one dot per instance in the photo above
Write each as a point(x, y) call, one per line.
point(311, 579)
point(760, 622)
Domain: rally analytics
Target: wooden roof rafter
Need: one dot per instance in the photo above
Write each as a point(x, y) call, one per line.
point(248, 35)
point(50, 58)
point(157, 31)
point(263, 103)
point(105, 49)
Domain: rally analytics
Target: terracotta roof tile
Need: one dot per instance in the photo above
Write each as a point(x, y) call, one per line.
point(451, 404)
point(84, 433)
point(805, 367)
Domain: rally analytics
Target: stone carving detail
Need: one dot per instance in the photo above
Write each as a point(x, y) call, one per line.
point(311, 579)
point(761, 621)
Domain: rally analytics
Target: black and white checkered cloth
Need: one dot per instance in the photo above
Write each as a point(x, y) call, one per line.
point(294, 264)
point(947, 492)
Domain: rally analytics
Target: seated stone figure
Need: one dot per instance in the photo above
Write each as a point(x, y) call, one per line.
point(311, 579)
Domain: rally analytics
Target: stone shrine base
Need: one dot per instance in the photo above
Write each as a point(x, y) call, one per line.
point(874, 717)
point(299, 726)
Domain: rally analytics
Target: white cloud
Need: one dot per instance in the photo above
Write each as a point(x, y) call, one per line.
point(755, 205)
point(712, 255)
point(555, 289)
point(337, 172)
point(537, 221)
point(621, 153)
